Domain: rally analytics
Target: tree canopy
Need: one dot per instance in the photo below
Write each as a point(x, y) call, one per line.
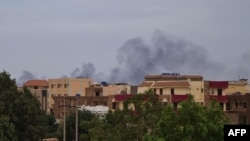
point(191, 122)
point(21, 117)
point(150, 120)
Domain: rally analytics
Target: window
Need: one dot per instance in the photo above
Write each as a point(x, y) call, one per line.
point(228, 106)
point(44, 93)
point(113, 105)
point(219, 91)
point(59, 85)
point(175, 105)
point(66, 94)
point(222, 106)
point(244, 105)
point(66, 85)
point(172, 91)
point(212, 91)
point(97, 93)
point(161, 91)
point(52, 85)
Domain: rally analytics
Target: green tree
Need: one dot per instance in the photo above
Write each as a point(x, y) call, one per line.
point(7, 129)
point(21, 116)
point(129, 124)
point(146, 114)
point(84, 119)
point(192, 122)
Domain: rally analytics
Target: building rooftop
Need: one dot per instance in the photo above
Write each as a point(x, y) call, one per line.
point(32, 83)
point(146, 84)
point(173, 77)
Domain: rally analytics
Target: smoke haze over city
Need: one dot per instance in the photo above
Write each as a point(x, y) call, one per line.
point(124, 41)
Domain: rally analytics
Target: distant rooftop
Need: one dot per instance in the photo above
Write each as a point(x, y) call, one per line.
point(32, 83)
point(172, 76)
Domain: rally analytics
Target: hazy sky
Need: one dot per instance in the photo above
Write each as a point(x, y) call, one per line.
point(122, 40)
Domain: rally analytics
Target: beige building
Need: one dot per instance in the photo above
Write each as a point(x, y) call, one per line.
point(92, 93)
point(175, 86)
point(97, 89)
point(118, 93)
point(39, 88)
point(238, 109)
point(67, 87)
point(237, 87)
point(220, 90)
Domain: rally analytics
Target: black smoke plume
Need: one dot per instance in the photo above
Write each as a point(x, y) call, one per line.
point(165, 54)
point(26, 75)
point(87, 70)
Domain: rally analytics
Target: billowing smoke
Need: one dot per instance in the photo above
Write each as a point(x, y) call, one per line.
point(26, 75)
point(87, 70)
point(243, 69)
point(166, 54)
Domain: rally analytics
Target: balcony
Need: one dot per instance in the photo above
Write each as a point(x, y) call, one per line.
point(179, 98)
point(220, 98)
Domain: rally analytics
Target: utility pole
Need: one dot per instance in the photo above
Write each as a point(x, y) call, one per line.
point(77, 95)
point(64, 121)
point(76, 119)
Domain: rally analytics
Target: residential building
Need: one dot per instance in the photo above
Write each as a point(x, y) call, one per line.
point(69, 103)
point(220, 90)
point(175, 86)
point(217, 90)
point(238, 87)
point(238, 109)
point(39, 88)
point(119, 99)
point(67, 87)
point(99, 89)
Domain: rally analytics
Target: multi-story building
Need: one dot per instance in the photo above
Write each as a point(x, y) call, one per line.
point(92, 94)
point(237, 87)
point(220, 90)
point(39, 88)
point(97, 89)
point(174, 87)
point(238, 109)
point(217, 90)
point(67, 87)
point(70, 103)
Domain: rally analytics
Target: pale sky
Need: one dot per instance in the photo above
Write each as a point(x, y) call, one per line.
point(122, 40)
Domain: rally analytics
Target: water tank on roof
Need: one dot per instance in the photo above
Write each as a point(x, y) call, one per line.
point(175, 74)
point(104, 83)
point(95, 83)
point(165, 73)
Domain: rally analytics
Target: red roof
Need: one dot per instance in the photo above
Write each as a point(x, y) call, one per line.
point(32, 83)
point(122, 97)
point(179, 98)
point(220, 98)
point(218, 84)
